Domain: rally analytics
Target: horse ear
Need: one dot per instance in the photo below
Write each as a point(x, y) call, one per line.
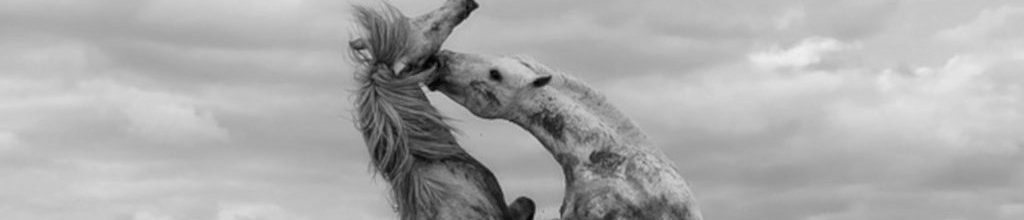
point(541, 81)
point(537, 68)
point(398, 67)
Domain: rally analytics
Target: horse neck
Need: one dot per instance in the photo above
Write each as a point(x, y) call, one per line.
point(569, 116)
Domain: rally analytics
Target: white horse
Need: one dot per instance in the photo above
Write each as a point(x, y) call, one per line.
point(612, 170)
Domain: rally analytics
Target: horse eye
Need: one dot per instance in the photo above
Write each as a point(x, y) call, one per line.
point(495, 75)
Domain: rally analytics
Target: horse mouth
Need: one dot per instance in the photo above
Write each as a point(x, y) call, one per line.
point(440, 69)
point(435, 83)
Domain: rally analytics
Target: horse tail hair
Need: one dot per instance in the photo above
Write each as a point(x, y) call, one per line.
point(400, 127)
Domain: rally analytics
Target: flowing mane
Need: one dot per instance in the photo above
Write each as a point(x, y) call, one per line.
point(400, 127)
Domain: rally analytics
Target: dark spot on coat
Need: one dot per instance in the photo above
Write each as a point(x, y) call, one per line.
point(552, 122)
point(580, 205)
point(631, 210)
point(605, 161)
point(637, 184)
point(663, 207)
point(611, 215)
point(489, 96)
point(567, 159)
point(567, 162)
point(682, 212)
point(609, 203)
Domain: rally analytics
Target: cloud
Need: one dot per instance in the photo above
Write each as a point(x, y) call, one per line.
point(226, 24)
point(157, 116)
point(614, 39)
point(265, 24)
point(946, 128)
point(8, 141)
point(805, 53)
point(1011, 211)
point(254, 212)
point(580, 43)
point(791, 17)
point(150, 215)
point(1002, 22)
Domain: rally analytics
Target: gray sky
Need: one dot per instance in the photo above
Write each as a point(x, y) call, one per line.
point(773, 109)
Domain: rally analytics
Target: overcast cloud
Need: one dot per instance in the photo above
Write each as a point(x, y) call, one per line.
point(773, 109)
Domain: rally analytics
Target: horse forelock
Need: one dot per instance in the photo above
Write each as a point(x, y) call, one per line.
point(400, 127)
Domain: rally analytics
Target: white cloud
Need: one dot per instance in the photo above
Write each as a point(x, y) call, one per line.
point(995, 34)
point(987, 23)
point(8, 140)
point(62, 6)
point(40, 57)
point(151, 215)
point(1011, 211)
point(115, 187)
point(66, 75)
point(114, 180)
point(789, 18)
point(955, 105)
point(255, 211)
point(879, 128)
point(272, 23)
point(805, 53)
point(159, 116)
point(231, 12)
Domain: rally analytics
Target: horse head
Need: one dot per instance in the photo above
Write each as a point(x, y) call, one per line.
point(489, 86)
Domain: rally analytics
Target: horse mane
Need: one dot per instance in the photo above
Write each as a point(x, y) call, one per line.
point(401, 129)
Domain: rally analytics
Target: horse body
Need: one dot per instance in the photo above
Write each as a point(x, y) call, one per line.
point(441, 180)
point(612, 171)
point(410, 144)
point(611, 168)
